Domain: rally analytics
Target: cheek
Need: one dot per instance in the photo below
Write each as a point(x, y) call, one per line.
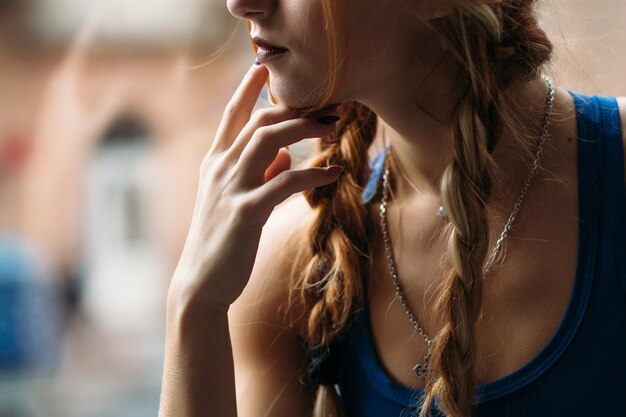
point(374, 55)
point(300, 79)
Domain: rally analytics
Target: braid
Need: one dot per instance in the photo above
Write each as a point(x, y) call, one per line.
point(466, 187)
point(332, 284)
point(466, 184)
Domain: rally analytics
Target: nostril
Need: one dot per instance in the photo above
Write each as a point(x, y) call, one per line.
point(252, 15)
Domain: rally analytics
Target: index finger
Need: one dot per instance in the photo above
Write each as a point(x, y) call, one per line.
point(240, 106)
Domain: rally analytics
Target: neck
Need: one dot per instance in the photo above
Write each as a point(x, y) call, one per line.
point(416, 121)
point(415, 111)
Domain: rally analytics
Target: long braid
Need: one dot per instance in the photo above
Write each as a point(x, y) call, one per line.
point(466, 187)
point(332, 283)
point(331, 286)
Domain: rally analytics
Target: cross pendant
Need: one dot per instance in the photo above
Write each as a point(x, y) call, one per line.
point(420, 370)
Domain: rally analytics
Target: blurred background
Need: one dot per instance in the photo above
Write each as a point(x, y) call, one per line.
point(106, 110)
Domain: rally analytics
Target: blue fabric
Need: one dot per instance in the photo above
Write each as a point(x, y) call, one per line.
point(582, 370)
point(29, 310)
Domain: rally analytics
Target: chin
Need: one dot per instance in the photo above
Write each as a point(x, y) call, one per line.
point(295, 94)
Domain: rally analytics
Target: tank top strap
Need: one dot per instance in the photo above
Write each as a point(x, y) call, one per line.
point(600, 133)
point(615, 188)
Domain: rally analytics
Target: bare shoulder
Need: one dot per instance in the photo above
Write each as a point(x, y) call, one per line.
point(269, 355)
point(281, 254)
point(621, 101)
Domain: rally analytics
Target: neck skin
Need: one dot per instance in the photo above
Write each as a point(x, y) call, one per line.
point(416, 121)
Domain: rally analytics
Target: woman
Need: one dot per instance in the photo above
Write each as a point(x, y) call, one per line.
point(455, 277)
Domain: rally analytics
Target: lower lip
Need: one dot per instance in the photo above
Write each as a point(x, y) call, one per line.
point(267, 54)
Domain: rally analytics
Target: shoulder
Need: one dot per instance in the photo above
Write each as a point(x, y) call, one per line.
point(269, 354)
point(282, 253)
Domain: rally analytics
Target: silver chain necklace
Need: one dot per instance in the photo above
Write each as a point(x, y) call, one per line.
point(421, 369)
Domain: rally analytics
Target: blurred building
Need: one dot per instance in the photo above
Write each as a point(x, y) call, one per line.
point(106, 110)
point(146, 52)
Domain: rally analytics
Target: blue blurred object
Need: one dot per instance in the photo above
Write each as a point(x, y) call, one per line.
point(30, 309)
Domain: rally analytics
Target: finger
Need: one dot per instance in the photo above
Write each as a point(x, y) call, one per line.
point(272, 116)
point(290, 182)
point(239, 108)
point(266, 142)
point(281, 163)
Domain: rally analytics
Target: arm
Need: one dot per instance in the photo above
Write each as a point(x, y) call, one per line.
point(243, 177)
point(269, 354)
point(198, 375)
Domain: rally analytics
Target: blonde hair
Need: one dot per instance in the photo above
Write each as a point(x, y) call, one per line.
point(497, 43)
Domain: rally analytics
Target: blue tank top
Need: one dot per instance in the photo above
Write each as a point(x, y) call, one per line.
point(582, 370)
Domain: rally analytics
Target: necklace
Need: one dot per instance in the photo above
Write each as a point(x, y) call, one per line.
point(441, 212)
point(421, 369)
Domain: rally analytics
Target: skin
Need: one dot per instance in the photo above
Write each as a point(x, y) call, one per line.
point(236, 251)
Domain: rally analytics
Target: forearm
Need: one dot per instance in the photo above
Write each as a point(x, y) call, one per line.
point(198, 376)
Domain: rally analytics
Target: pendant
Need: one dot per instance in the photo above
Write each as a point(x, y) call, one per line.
point(420, 370)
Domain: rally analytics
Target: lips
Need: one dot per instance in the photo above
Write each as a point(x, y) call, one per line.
point(267, 51)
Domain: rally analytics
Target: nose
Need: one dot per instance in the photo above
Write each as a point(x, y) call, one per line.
point(250, 9)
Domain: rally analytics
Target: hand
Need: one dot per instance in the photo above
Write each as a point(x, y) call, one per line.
point(244, 175)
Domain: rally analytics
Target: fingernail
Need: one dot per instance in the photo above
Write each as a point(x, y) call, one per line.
point(328, 120)
point(257, 62)
point(335, 170)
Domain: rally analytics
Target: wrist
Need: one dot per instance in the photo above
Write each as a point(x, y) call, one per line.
point(191, 321)
point(186, 298)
